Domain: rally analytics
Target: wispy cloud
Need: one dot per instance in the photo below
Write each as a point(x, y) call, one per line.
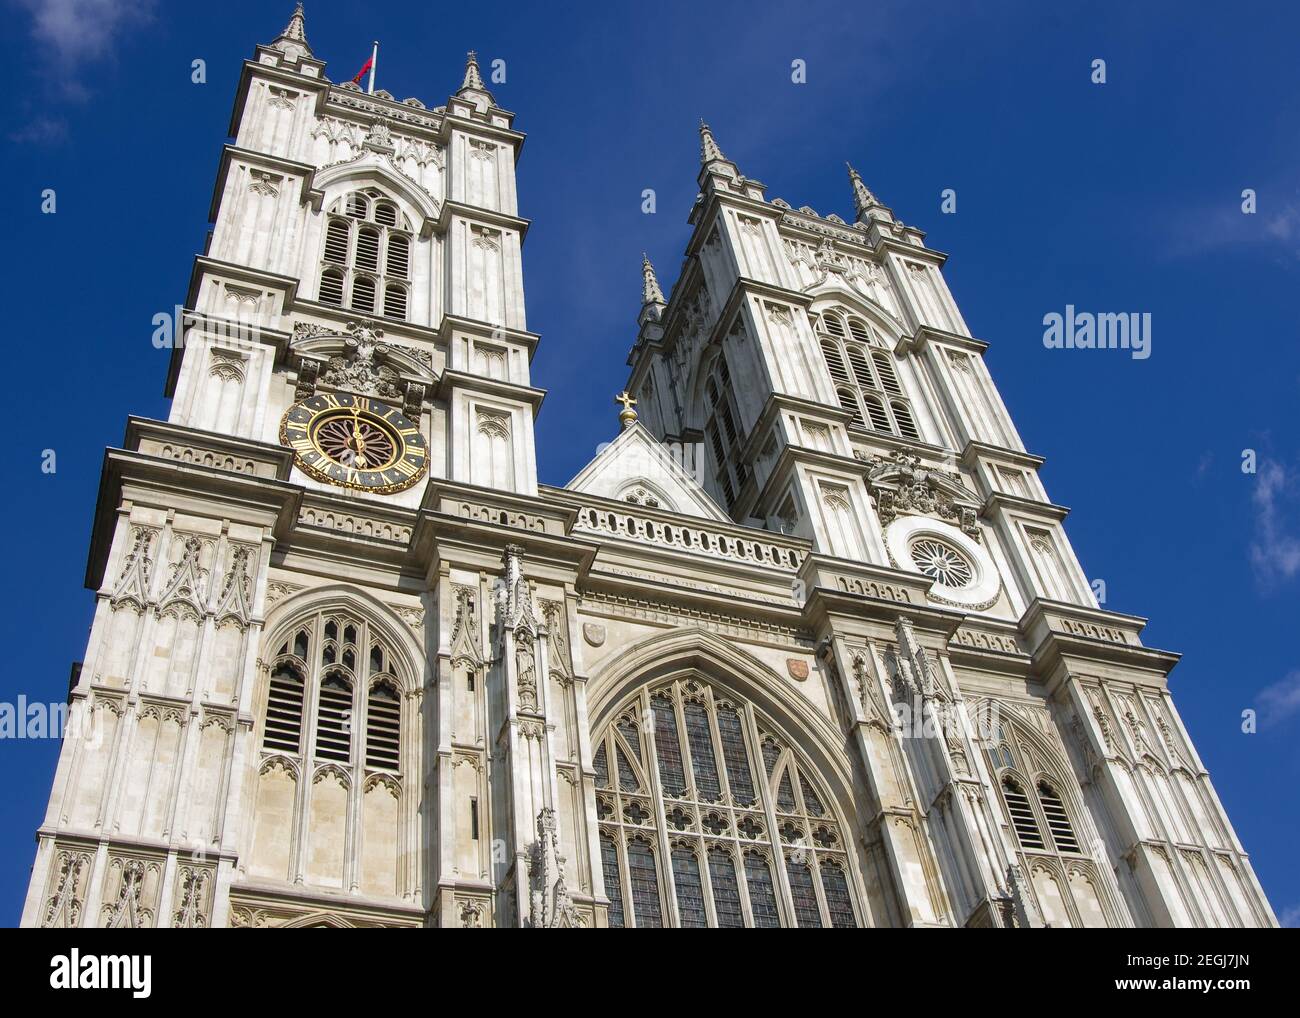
point(1281, 700)
point(71, 36)
point(1226, 226)
point(78, 31)
point(41, 130)
point(1289, 918)
point(1274, 551)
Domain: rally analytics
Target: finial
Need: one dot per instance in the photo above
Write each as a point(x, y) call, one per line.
point(709, 151)
point(863, 199)
point(627, 415)
point(296, 30)
point(473, 79)
point(650, 292)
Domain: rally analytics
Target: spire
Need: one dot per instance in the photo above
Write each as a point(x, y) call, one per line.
point(473, 79)
point(295, 32)
point(709, 151)
point(863, 200)
point(650, 292)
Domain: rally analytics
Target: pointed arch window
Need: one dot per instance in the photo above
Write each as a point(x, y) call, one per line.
point(1037, 811)
point(333, 700)
point(1058, 820)
point(367, 253)
point(701, 806)
point(864, 375)
point(725, 437)
point(383, 726)
point(320, 665)
point(283, 730)
point(1022, 816)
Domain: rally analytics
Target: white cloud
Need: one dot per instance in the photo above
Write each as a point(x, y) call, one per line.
point(1282, 699)
point(1224, 226)
point(1274, 553)
point(82, 30)
point(1289, 918)
point(41, 130)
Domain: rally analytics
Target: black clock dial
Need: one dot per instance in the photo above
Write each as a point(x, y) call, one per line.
point(355, 442)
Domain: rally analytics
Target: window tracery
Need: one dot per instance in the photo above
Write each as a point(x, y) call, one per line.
point(708, 818)
point(1037, 812)
point(334, 661)
point(863, 374)
point(366, 264)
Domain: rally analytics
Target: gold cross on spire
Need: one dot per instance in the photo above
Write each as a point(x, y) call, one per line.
point(627, 415)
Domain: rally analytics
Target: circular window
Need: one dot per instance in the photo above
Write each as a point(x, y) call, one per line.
point(945, 564)
point(964, 574)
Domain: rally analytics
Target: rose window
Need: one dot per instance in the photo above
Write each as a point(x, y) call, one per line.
point(941, 562)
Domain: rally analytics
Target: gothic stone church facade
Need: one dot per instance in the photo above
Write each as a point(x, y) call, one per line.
point(805, 645)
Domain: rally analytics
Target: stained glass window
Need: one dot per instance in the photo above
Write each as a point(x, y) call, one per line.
point(733, 752)
point(762, 895)
point(644, 879)
point(690, 891)
point(726, 891)
point(613, 886)
point(703, 764)
point(710, 853)
point(806, 910)
point(836, 887)
point(671, 773)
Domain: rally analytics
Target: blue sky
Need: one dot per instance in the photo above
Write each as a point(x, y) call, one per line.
point(1117, 197)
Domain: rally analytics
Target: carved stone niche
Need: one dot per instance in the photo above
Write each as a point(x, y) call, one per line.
point(360, 361)
point(901, 486)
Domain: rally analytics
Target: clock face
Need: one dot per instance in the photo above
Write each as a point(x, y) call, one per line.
point(355, 442)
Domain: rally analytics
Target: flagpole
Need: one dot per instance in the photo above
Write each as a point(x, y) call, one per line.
point(374, 59)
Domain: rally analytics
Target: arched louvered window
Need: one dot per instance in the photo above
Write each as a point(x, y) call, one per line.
point(399, 256)
point(283, 731)
point(363, 294)
point(395, 301)
point(885, 369)
point(334, 719)
point(383, 726)
point(864, 376)
point(687, 778)
point(1023, 820)
point(368, 249)
point(331, 287)
point(861, 372)
point(903, 418)
point(859, 330)
point(876, 413)
point(835, 363)
point(849, 402)
point(367, 252)
point(1058, 821)
point(336, 242)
